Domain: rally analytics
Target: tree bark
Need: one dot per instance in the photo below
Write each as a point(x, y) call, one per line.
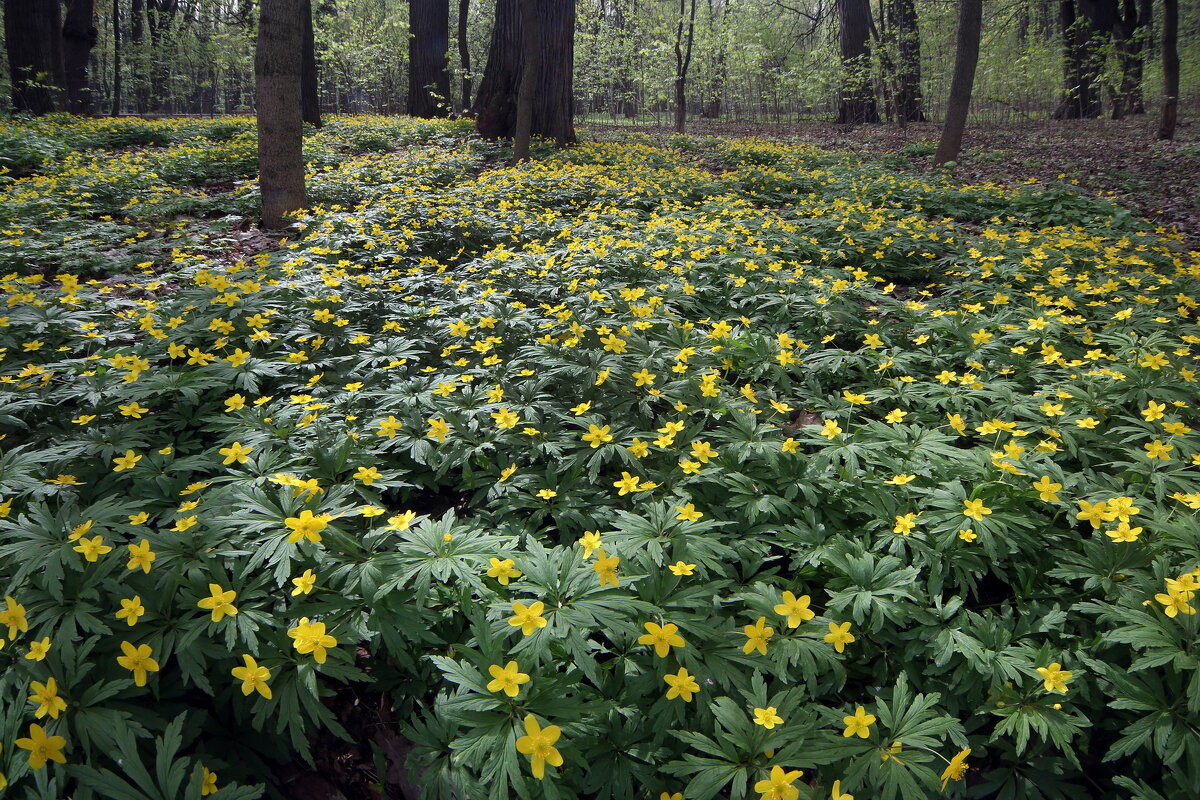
point(683, 61)
point(554, 104)
point(464, 53)
point(309, 94)
point(428, 67)
point(137, 34)
point(857, 103)
point(966, 59)
point(532, 51)
point(902, 16)
point(116, 22)
point(1083, 35)
point(79, 37)
point(28, 31)
point(1170, 56)
point(277, 71)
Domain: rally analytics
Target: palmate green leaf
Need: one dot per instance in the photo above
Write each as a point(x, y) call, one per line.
point(708, 775)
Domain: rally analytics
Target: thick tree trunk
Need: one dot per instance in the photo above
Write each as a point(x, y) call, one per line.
point(309, 94)
point(966, 58)
point(1170, 56)
point(116, 22)
point(858, 97)
point(902, 16)
point(428, 67)
point(683, 60)
point(79, 37)
point(1082, 61)
point(531, 31)
point(277, 71)
point(28, 31)
point(554, 105)
point(464, 54)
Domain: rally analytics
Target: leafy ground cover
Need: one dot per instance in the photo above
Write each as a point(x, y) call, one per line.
point(724, 468)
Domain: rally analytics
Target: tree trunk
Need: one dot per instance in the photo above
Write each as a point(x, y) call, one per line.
point(28, 30)
point(116, 23)
point(79, 37)
point(137, 35)
point(683, 60)
point(464, 53)
point(1137, 62)
point(277, 71)
point(310, 96)
point(1170, 56)
point(532, 50)
point(857, 103)
point(1083, 60)
point(554, 105)
point(903, 19)
point(966, 58)
point(428, 67)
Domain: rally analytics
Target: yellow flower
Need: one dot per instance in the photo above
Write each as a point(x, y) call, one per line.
point(757, 636)
point(42, 748)
point(140, 555)
point(127, 461)
point(92, 548)
point(253, 677)
point(507, 679)
point(795, 609)
point(310, 637)
point(597, 436)
point(304, 584)
point(681, 685)
point(1055, 678)
point(838, 794)
point(831, 429)
point(661, 637)
point(505, 419)
point(133, 409)
point(236, 453)
point(975, 509)
point(503, 571)
point(590, 541)
point(688, 513)
point(627, 484)
point(900, 480)
point(779, 785)
point(528, 618)
point(839, 636)
point(46, 696)
point(38, 650)
point(131, 610)
point(220, 602)
point(859, 724)
point(767, 717)
point(905, 523)
point(1096, 514)
point(208, 782)
point(137, 660)
point(606, 568)
point(1047, 489)
point(438, 429)
point(1157, 449)
point(538, 744)
point(367, 475)
point(306, 526)
point(957, 767)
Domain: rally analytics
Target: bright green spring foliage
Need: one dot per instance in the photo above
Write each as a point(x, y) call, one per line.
point(746, 471)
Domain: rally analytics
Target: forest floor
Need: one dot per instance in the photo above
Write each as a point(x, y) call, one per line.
point(1118, 159)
